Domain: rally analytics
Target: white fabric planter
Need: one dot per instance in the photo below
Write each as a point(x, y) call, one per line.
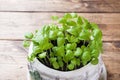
point(88, 72)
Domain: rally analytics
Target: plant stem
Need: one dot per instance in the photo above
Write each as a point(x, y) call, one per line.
point(66, 66)
point(46, 61)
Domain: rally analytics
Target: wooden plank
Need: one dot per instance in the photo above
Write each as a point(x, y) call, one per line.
point(61, 5)
point(11, 52)
point(17, 66)
point(13, 63)
point(15, 25)
point(13, 72)
point(111, 57)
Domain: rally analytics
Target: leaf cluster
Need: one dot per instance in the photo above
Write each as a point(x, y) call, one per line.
point(73, 44)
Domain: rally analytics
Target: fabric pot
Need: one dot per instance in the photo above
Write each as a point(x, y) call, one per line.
point(88, 72)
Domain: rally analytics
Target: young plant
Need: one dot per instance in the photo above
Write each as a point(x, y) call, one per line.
point(69, 46)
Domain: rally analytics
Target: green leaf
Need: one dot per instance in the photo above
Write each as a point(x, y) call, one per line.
point(60, 34)
point(45, 30)
point(84, 35)
point(53, 35)
point(60, 62)
point(74, 61)
point(97, 34)
point(56, 65)
point(37, 49)
point(86, 56)
point(69, 55)
point(47, 46)
point(70, 66)
point(94, 61)
point(29, 35)
point(60, 51)
point(54, 49)
point(52, 59)
point(55, 17)
point(26, 43)
point(78, 52)
point(79, 20)
point(78, 62)
point(62, 21)
point(74, 15)
point(84, 62)
point(94, 26)
point(68, 46)
point(67, 16)
point(71, 46)
point(31, 57)
point(95, 53)
point(42, 55)
point(71, 23)
point(60, 41)
point(72, 39)
point(73, 31)
point(52, 54)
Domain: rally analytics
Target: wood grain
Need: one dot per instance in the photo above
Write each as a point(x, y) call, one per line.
point(13, 63)
point(11, 52)
point(13, 72)
point(60, 5)
point(15, 25)
point(17, 66)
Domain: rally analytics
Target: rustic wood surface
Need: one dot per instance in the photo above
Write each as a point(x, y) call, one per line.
point(20, 16)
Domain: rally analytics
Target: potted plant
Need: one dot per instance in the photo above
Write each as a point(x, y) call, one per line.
point(69, 50)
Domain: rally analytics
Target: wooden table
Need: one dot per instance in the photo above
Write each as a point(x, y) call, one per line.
point(20, 16)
